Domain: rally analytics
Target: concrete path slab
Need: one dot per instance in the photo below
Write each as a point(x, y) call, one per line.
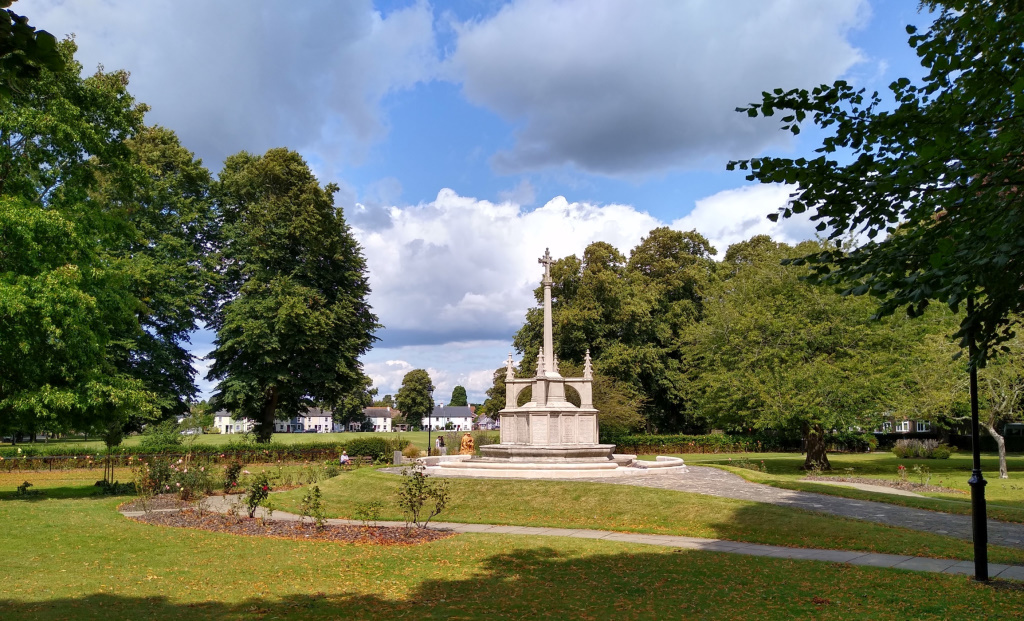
point(716, 482)
point(881, 489)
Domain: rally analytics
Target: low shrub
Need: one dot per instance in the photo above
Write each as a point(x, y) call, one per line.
point(162, 438)
point(231, 474)
point(418, 495)
point(410, 451)
point(313, 507)
point(377, 447)
point(921, 449)
point(257, 493)
point(58, 457)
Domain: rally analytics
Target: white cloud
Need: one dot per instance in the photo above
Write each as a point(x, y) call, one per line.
point(469, 364)
point(460, 269)
point(252, 75)
point(617, 87)
point(736, 215)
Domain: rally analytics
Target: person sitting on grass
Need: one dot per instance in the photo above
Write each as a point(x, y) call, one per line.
point(344, 460)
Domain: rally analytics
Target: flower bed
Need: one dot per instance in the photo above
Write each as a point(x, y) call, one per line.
point(251, 527)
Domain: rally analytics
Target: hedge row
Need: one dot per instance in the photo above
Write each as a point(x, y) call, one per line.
point(726, 443)
point(58, 457)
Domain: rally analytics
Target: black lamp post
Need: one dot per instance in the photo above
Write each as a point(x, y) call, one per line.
point(977, 482)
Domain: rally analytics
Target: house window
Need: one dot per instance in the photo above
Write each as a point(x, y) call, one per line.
point(886, 427)
point(923, 426)
point(903, 427)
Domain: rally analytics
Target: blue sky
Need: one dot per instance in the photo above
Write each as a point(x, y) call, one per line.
point(468, 136)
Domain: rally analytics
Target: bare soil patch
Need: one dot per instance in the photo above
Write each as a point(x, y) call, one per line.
point(903, 485)
point(255, 527)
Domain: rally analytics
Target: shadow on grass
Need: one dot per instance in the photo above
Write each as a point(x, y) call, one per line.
point(543, 582)
point(70, 492)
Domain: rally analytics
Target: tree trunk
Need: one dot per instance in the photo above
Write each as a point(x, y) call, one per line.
point(1001, 443)
point(265, 426)
point(816, 459)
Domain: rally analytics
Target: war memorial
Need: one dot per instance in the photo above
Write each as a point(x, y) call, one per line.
point(548, 436)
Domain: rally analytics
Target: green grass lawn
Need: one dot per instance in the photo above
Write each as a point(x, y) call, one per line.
point(79, 559)
point(639, 509)
point(1005, 496)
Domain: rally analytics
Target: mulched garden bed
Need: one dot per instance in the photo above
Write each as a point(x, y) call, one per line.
point(163, 501)
point(903, 485)
point(216, 522)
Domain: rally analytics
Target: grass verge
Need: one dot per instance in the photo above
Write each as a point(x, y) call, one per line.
point(628, 508)
point(78, 559)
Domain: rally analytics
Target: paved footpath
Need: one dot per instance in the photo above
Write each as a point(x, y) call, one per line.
point(715, 482)
point(223, 504)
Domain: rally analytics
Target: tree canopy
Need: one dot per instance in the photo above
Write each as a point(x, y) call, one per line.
point(294, 317)
point(415, 398)
point(71, 293)
point(459, 396)
point(931, 177)
point(632, 314)
point(777, 353)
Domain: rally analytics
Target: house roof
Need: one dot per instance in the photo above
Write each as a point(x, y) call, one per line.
point(452, 411)
point(379, 412)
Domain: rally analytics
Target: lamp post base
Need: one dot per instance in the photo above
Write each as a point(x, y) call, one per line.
point(979, 527)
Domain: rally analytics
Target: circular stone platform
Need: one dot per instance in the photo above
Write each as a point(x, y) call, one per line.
point(477, 467)
point(576, 454)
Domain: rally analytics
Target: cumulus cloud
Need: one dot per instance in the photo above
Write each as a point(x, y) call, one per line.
point(618, 88)
point(469, 364)
point(462, 269)
point(738, 214)
point(255, 74)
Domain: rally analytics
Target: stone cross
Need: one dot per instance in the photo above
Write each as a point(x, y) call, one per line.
point(546, 261)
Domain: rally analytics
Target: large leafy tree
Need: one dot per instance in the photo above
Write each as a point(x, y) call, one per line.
point(163, 202)
point(633, 315)
point(24, 51)
point(60, 308)
point(780, 354)
point(70, 301)
point(932, 177)
point(294, 317)
point(415, 398)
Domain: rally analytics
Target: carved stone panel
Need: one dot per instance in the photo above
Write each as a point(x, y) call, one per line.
point(553, 425)
point(586, 427)
point(522, 430)
point(568, 430)
point(539, 429)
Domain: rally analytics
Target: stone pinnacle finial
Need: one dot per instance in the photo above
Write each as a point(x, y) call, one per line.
point(555, 362)
point(588, 370)
point(509, 369)
point(540, 362)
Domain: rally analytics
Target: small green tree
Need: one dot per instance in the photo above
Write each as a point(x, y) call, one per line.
point(416, 396)
point(459, 396)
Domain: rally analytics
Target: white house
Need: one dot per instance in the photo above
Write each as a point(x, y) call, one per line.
point(315, 419)
point(380, 417)
point(460, 417)
point(224, 423)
